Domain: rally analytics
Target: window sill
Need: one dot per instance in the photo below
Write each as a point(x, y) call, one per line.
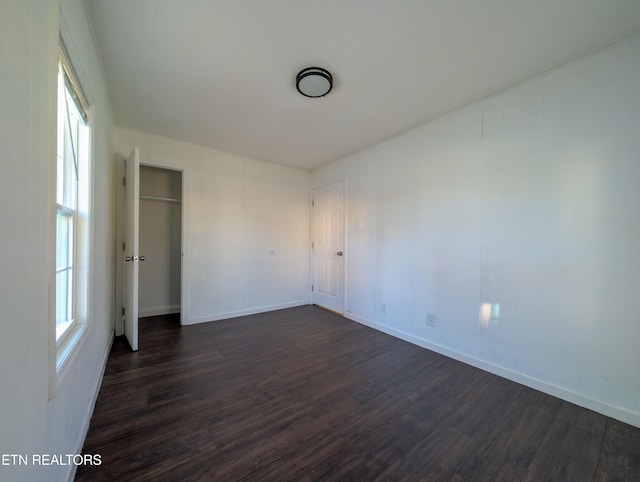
point(68, 345)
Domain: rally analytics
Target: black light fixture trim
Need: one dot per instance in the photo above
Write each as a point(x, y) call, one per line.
point(316, 72)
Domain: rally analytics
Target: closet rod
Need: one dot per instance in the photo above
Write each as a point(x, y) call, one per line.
point(153, 198)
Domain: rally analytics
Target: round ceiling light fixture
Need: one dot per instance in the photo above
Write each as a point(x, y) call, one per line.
point(314, 82)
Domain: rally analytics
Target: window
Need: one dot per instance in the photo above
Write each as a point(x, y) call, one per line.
point(72, 203)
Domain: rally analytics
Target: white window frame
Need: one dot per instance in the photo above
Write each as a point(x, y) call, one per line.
point(75, 204)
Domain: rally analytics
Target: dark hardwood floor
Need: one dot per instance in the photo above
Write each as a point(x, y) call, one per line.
point(304, 394)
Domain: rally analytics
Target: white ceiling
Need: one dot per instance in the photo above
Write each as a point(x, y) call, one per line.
point(221, 73)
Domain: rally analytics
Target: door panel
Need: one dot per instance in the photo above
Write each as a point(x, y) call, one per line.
point(328, 247)
point(131, 263)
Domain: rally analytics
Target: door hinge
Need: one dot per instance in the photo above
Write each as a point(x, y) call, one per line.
point(124, 181)
point(313, 245)
point(123, 310)
point(124, 246)
point(313, 203)
point(311, 287)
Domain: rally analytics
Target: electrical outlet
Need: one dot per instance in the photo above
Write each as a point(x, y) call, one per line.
point(430, 319)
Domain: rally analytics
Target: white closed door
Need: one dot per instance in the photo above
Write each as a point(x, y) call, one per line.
point(328, 249)
point(131, 256)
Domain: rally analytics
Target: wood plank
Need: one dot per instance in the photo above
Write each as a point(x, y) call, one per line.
point(566, 453)
point(620, 454)
point(507, 452)
point(583, 418)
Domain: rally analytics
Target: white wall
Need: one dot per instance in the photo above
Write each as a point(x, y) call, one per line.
point(30, 423)
point(529, 200)
point(246, 228)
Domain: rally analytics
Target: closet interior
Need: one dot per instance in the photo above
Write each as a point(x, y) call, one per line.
point(160, 241)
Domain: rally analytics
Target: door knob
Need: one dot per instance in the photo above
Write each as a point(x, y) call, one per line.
point(135, 259)
point(339, 253)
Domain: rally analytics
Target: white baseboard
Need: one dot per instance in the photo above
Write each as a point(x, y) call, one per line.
point(159, 310)
point(89, 413)
point(599, 406)
point(249, 311)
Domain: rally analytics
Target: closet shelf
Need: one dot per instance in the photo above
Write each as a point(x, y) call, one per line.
point(166, 199)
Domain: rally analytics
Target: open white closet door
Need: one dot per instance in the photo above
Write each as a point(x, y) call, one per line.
point(131, 239)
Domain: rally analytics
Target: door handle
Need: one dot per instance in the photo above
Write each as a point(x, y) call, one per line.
point(339, 253)
point(135, 259)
